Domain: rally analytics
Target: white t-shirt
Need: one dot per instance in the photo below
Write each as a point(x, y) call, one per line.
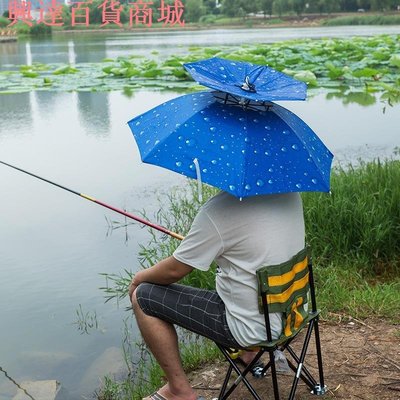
point(241, 236)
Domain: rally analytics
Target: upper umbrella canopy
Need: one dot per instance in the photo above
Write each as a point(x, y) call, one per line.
point(264, 149)
point(243, 79)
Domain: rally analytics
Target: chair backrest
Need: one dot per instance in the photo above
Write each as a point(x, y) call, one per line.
point(285, 288)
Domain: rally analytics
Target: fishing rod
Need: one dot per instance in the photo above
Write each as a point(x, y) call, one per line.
point(85, 196)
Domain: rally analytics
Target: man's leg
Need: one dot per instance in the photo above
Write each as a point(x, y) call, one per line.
point(162, 340)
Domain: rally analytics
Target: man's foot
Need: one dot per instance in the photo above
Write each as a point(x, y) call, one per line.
point(246, 357)
point(157, 396)
point(165, 393)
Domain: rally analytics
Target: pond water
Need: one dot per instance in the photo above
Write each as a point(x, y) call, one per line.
point(89, 47)
point(54, 245)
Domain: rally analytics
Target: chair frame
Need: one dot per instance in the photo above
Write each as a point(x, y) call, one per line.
point(301, 372)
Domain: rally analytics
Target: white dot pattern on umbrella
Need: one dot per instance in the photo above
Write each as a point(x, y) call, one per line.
point(244, 152)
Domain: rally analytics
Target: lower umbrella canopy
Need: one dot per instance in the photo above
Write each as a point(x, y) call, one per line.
point(244, 151)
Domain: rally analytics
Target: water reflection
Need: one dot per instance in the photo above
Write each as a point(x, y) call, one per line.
point(71, 52)
point(85, 50)
point(47, 103)
point(9, 54)
point(15, 114)
point(17, 111)
point(94, 113)
point(89, 47)
point(28, 53)
point(349, 96)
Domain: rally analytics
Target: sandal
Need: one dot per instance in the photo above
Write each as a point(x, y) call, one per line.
point(158, 396)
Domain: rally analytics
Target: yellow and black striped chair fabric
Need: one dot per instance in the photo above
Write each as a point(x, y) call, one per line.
point(285, 287)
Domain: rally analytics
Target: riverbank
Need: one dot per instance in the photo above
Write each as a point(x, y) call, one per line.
point(7, 39)
point(360, 358)
point(8, 35)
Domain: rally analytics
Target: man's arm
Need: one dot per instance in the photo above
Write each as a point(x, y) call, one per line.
point(166, 271)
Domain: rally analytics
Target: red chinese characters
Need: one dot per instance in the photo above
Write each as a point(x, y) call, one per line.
point(80, 13)
point(20, 10)
point(50, 13)
point(140, 12)
point(111, 12)
point(172, 14)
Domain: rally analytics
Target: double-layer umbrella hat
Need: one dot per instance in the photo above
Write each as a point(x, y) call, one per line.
point(246, 80)
point(259, 148)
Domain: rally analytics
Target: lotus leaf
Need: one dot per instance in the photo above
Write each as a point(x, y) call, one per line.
point(395, 60)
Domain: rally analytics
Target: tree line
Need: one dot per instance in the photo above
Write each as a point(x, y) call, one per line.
point(196, 9)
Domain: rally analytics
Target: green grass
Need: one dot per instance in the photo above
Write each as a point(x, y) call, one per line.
point(355, 237)
point(363, 20)
point(360, 220)
point(343, 290)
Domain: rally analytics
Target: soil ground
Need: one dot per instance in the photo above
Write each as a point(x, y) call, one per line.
point(361, 361)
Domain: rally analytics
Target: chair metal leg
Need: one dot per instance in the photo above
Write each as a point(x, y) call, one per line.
point(225, 383)
point(306, 376)
point(224, 394)
point(319, 353)
point(301, 360)
point(320, 389)
point(273, 375)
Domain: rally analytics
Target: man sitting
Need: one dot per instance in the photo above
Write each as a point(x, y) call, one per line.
point(241, 236)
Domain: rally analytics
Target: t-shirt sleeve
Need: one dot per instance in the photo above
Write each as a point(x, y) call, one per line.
point(202, 244)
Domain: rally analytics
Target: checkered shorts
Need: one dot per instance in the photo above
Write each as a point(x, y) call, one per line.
point(198, 310)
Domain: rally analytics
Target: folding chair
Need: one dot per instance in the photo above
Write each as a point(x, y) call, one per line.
point(283, 288)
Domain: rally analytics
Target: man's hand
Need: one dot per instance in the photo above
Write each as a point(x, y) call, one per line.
point(136, 281)
point(165, 272)
point(132, 288)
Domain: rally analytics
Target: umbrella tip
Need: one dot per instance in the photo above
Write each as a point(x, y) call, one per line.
point(248, 86)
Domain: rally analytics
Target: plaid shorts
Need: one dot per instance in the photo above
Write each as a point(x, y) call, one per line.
point(198, 310)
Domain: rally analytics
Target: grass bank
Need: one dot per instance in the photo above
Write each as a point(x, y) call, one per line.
point(378, 19)
point(355, 236)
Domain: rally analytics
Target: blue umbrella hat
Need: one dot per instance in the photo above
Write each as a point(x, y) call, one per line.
point(245, 80)
point(246, 151)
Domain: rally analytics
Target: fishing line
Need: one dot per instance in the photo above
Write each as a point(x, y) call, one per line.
point(16, 383)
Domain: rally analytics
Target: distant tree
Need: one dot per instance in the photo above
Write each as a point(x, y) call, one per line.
point(95, 13)
point(298, 6)
point(232, 8)
point(365, 4)
point(40, 29)
point(347, 5)
point(312, 6)
point(194, 9)
point(266, 6)
point(211, 7)
point(331, 6)
point(281, 6)
point(66, 15)
point(381, 5)
point(237, 8)
point(322, 6)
